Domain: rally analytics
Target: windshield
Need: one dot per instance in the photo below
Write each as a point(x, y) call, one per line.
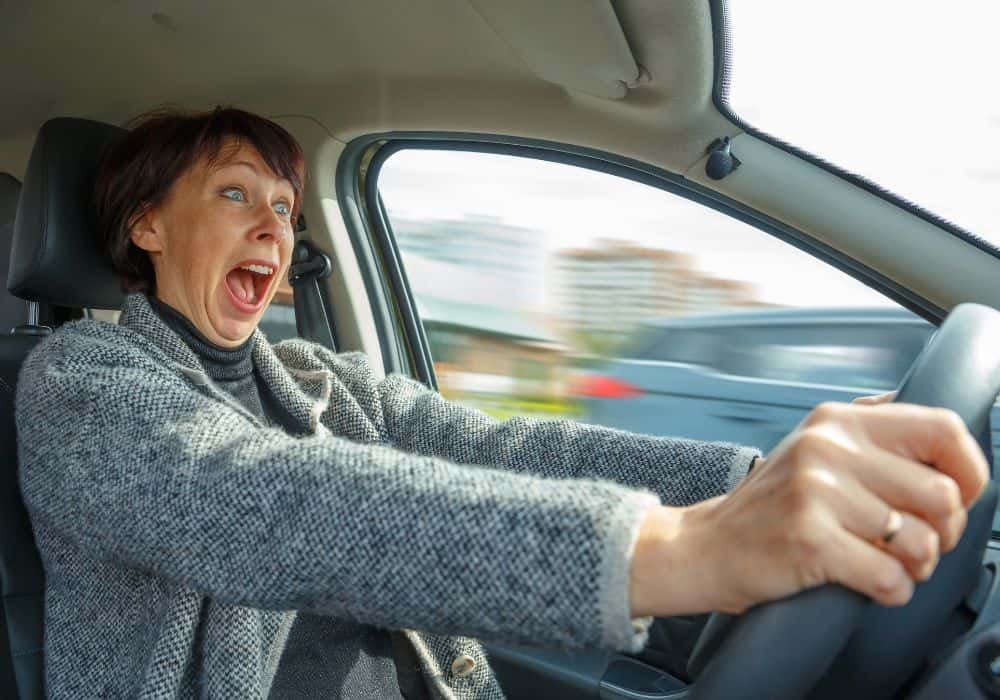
point(903, 93)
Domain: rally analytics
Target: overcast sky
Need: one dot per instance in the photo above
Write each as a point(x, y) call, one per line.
point(903, 92)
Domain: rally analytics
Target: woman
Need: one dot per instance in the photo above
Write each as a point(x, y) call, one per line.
point(232, 519)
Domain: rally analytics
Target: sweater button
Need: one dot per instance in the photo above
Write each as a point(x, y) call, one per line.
point(463, 665)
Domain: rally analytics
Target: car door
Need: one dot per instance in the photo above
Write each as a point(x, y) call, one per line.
point(750, 377)
point(508, 271)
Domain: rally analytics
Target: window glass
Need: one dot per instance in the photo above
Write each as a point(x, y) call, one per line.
point(873, 359)
point(278, 320)
point(898, 91)
point(554, 291)
point(558, 291)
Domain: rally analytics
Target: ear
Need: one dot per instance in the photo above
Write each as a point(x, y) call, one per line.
point(145, 231)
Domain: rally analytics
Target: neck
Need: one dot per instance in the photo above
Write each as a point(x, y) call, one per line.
point(219, 362)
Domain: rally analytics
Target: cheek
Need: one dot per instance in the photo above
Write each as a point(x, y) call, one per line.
point(209, 243)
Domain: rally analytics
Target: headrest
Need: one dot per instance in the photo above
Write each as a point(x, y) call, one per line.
point(54, 257)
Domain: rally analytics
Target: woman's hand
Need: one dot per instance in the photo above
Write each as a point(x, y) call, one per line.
point(815, 511)
point(875, 399)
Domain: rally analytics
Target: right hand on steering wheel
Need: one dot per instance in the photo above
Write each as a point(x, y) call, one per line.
point(864, 495)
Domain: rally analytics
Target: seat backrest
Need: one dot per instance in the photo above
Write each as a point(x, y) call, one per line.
point(54, 262)
point(21, 578)
point(13, 310)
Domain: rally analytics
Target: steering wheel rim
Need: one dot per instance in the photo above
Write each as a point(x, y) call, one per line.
point(783, 648)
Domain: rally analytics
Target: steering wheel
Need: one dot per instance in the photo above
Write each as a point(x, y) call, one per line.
point(831, 642)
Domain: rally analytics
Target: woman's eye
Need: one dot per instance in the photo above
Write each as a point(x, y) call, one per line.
point(283, 208)
point(235, 194)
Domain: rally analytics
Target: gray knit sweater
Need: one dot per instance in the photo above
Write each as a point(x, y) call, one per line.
point(152, 493)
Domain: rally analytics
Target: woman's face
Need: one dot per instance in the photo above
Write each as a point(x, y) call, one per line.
point(217, 220)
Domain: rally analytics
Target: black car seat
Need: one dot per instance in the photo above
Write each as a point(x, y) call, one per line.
point(54, 263)
point(13, 310)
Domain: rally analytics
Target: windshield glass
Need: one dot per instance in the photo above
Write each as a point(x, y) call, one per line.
point(903, 93)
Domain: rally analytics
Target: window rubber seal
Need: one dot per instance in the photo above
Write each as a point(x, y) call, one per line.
point(723, 58)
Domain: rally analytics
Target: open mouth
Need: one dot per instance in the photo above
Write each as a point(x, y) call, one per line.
point(248, 283)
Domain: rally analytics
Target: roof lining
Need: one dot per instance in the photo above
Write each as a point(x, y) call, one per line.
point(591, 55)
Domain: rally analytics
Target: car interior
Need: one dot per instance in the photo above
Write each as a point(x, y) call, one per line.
point(625, 85)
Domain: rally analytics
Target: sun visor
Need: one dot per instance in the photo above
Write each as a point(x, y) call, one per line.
point(578, 44)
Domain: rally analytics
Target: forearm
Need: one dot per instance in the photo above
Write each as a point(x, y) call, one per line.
point(368, 532)
point(668, 574)
point(664, 579)
point(679, 471)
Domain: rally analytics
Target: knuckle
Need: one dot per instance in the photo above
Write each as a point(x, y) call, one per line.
point(926, 546)
point(810, 445)
point(807, 487)
point(932, 545)
point(943, 496)
point(889, 582)
point(823, 412)
point(956, 526)
point(949, 421)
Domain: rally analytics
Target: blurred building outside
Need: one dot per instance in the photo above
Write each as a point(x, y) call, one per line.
point(508, 322)
point(479, 284)
point(478, 259)
point(503, 363)
point(603, 293)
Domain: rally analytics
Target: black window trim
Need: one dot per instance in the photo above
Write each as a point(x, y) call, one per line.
point(401, 336)
point(723, 59)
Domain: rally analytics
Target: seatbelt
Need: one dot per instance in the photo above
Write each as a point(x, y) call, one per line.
point(309, 267)
point(409, 675)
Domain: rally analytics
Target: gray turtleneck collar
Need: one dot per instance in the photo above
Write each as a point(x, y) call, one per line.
point(231, 369)
point(220, 363)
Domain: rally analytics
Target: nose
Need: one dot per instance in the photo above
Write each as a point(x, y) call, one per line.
point(269, 225)
point(264, 235)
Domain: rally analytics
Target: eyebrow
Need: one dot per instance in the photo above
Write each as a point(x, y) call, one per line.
point(244, 163)
point(254, 168)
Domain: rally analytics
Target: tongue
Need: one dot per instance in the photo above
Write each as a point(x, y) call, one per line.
point(241, 282)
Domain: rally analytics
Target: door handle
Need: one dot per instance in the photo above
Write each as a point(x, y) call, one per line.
point(626, 679)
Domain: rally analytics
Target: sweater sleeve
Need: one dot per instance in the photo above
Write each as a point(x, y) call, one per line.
point(679, 471)
point(130, 463)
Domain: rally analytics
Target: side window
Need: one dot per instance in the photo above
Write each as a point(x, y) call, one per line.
point(553, 290)
point(278, 321)
point(872, 357)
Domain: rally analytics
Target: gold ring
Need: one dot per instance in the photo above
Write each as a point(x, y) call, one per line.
point(893, 524)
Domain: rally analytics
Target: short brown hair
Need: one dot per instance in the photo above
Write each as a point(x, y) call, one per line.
point(137, 171)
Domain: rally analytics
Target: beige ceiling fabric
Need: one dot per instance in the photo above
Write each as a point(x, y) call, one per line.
point(578, 44)
point(556, 70)
point(364, 66)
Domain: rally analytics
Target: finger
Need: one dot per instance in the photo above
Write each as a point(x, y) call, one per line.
point(863, 567)
point(933, 436)
point(865, 515)
point(875, 399)
point(915, 546)
point(915, 488)
point(857, 509)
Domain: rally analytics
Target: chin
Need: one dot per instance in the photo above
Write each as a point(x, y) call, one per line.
point(234, 332)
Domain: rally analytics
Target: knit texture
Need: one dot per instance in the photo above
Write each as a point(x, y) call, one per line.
point(231, 369)
point(180, 534)
point(323, 656)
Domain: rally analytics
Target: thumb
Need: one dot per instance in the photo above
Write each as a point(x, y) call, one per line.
point(875, 399)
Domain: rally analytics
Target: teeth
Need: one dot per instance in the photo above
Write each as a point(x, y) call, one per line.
point(260, 269)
